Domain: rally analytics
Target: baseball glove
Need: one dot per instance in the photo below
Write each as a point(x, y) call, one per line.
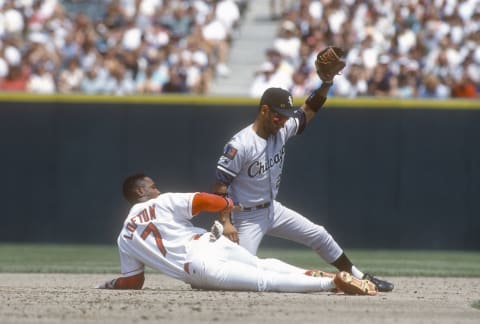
point(329, 63)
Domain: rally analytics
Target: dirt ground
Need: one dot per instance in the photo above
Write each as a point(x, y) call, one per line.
point(70, 298)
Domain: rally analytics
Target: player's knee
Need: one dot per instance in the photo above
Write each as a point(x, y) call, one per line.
point(321, 238)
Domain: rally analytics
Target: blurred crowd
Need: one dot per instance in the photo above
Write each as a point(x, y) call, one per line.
point(395, 48)
point(130, 46)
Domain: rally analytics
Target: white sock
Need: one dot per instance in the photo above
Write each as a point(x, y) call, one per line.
point(357, 273)
point(331, 285)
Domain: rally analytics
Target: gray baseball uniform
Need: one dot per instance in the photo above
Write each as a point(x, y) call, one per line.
point(252, 167)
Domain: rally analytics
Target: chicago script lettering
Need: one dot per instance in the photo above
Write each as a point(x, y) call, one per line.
point(259, 168)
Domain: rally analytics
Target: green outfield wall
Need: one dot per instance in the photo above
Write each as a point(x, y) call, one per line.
point(376, 173)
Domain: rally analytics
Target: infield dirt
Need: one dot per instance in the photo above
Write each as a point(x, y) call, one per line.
point(70, 298)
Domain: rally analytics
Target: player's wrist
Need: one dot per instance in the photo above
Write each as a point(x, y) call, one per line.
point(224, 218)
point(317, 98)
point(229, 204)
point(326, 83)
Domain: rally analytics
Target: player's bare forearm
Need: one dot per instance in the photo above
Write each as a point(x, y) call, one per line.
point(221, 190)
point(323, 90)
point(224, 217)
point(229, 231)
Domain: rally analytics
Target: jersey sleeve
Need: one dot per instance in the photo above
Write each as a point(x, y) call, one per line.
point(296, 125)
point(230, 162)
point(301, 120)
point(178, 204)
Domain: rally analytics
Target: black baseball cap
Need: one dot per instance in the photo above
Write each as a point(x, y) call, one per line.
point(279, 100)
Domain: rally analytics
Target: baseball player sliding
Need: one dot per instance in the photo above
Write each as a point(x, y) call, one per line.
point(158, 233)
point(250, 170)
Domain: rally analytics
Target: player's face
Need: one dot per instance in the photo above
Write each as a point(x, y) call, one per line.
point(149, 188)
point(276, 121)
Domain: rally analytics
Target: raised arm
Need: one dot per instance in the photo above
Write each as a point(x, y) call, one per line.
point(328, 65)
point(315, 101)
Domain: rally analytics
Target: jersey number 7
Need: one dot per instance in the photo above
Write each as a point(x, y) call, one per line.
point(156, 234)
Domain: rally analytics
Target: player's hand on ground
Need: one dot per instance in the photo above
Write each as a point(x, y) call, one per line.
point(107, 285)
point(230, 232)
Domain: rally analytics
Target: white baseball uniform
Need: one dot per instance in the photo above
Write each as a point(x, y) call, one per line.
point(251, 167)
point(158, 233)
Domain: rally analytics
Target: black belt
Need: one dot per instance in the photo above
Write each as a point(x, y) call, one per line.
point(261, 206)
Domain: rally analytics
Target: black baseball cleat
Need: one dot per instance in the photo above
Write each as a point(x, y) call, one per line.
point(382, 285)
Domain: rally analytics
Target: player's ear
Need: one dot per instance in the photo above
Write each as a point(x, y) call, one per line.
point(264, 109)
point(140, 191)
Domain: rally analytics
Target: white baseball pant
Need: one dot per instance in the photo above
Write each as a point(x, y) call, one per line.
point(223, 264)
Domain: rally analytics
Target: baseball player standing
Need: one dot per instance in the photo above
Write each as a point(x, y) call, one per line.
point(157, 232)
point(250, 169)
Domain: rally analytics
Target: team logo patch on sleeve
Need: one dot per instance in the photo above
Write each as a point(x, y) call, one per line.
point(230, 151)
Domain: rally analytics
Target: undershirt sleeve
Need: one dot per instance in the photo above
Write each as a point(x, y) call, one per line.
point(203, 201)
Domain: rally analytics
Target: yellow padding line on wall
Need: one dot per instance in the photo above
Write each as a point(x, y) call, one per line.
point(187, 99)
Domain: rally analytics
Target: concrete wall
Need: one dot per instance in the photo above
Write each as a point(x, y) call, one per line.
point(376, 175)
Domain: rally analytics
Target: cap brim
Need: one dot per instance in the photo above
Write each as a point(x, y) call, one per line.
point(284, 112)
